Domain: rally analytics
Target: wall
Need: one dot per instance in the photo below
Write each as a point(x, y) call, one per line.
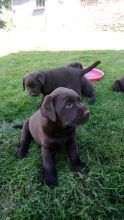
point(26, 16)
point(69, 15)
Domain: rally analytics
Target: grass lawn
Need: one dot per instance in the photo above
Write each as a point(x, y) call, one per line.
point(100, 194)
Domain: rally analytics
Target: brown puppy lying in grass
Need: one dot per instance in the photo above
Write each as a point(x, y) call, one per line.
point(119, 85)
point(52, 127)
point(47, 81)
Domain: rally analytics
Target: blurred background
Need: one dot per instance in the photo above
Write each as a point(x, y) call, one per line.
point(61, 25)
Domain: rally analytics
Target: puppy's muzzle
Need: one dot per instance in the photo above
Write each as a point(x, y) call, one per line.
point(34, 93)
point(82, 117)
point(86, 114)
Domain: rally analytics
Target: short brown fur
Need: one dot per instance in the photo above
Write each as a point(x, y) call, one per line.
point(52, 127)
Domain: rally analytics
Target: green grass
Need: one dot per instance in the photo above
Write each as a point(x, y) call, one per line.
point(97, 196)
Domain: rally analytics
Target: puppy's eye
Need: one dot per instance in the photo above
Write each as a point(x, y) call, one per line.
point(69, 105)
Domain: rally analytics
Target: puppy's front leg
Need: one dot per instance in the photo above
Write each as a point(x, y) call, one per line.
point(76, 163)
point(49, 172)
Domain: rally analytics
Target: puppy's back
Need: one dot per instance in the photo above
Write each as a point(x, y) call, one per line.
point(68, 77)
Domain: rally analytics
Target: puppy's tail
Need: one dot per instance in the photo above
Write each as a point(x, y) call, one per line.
point(17, 126)
point(88, 69)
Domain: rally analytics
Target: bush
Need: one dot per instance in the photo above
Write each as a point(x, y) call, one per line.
point(2, 24)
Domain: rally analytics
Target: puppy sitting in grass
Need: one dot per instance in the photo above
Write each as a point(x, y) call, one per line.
point(52, 127)
point(119, 85)
point(70, 77)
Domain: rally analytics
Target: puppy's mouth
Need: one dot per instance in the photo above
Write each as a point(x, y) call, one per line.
point(34, 94)
point(79, 120)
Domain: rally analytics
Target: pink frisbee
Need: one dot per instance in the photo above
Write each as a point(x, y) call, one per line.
point(94, 75)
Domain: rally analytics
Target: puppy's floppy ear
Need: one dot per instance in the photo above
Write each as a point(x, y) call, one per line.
point(41, 77)
point(47, 109)
point(23, 83)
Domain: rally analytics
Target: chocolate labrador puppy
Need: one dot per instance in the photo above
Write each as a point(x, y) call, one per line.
point(46, 81)
point(52, 127)
point(119, 85)
point(87, 88)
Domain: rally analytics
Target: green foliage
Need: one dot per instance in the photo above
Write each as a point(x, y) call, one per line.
point(2, 24)
point(97, 196)
point(5, 3)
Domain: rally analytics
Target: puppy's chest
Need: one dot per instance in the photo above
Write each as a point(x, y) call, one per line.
point(59, 139)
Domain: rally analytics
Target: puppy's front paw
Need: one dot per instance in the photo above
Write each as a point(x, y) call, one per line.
point(50, 180)
point(21, 153)
point(80, 167)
